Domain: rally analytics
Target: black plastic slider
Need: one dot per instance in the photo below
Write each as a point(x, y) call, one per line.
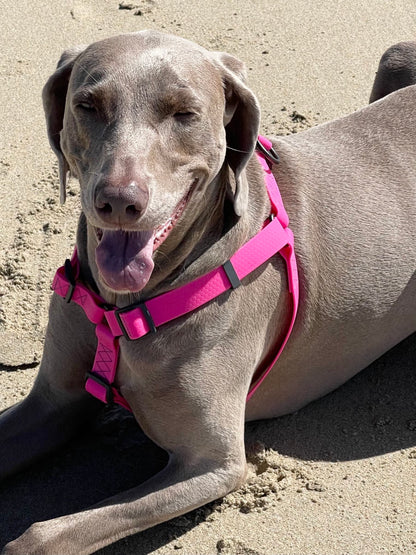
point(144, 310)
point(231, 274)
point(69, 274)
point(109, 396)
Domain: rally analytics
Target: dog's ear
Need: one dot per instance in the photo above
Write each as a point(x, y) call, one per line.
point(54, 97)
point(241, 121)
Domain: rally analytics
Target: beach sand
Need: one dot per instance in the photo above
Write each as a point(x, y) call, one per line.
point(337, 477)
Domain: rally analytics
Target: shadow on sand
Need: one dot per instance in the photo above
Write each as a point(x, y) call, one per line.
point(374, 413)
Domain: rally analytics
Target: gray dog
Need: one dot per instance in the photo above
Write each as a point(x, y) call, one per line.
point(160, 134)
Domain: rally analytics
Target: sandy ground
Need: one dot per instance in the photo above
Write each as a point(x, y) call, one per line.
point(337, 477)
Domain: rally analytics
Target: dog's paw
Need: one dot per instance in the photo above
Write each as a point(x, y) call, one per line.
point(28, 543)
point(42, 538)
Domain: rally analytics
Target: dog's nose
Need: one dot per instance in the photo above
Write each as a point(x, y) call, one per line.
point(121, 205)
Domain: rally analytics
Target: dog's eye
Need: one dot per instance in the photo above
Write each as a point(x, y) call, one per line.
point(184, 116)
point(86, 106)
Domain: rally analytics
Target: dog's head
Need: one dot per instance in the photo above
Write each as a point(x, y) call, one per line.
point(146, 121)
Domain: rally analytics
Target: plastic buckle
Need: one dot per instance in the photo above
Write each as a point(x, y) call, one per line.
point(69, 274)
point(109, 395)
point(144, 311)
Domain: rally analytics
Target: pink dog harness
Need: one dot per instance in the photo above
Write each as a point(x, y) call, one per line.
point(139, 319)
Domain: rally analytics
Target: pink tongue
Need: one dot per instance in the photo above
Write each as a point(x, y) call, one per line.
point(124, 259)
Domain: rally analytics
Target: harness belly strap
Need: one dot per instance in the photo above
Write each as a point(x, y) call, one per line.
point(137, 320)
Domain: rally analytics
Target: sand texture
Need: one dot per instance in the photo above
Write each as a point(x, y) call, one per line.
point(338, 477)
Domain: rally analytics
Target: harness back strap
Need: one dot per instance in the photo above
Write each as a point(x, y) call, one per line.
point(139, 319)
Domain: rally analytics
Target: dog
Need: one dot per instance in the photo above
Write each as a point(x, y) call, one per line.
point(160, 134)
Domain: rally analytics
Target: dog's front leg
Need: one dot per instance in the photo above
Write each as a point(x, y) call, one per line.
point(57, 404)
point(204, 435)
point(179, 488)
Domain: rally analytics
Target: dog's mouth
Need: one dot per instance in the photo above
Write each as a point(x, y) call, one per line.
point(162, 232)
point(125, 258)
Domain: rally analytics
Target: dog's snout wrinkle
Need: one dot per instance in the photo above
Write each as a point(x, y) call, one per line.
point(121, 204)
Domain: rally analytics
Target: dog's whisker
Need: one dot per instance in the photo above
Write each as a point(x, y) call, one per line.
point(86, 71)
point(238, 150)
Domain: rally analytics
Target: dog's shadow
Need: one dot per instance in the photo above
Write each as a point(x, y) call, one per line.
point(372, 414)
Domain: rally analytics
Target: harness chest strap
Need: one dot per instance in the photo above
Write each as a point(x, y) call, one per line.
point(137, 320)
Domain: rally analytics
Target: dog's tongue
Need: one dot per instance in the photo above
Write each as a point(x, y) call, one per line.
point(124, 259)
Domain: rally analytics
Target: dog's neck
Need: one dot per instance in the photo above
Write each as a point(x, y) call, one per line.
point(208, 241)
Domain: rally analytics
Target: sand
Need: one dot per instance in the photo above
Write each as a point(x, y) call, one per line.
point(338, 476)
